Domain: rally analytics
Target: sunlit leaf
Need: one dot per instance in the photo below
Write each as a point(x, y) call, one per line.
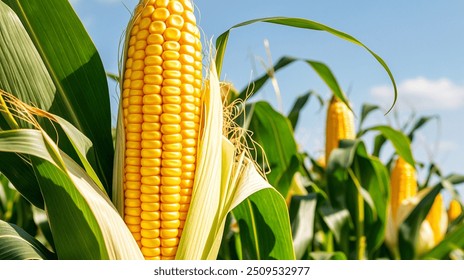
point(16, 244)
point(65, 78)
point(321, 69)
point(399, 141)
point(327, 256)
point(264, 227)
point(274, 135)
point(221, 42)
point(338, 221)
point(84, 223)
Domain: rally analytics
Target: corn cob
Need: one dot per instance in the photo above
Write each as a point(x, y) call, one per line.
point(161, 99)
point(454, 210)
point(435, 218)
point(403, 184)
point(339, 125)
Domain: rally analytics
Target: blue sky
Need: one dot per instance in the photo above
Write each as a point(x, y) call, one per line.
point(421, 41)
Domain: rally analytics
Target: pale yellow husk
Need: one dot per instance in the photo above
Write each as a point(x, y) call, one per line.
point(224, 178)
point(426, 239)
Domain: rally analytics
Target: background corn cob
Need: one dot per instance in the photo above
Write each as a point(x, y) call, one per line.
point(454, 210)
point(161, 105)
point(339, 125)
point(403, 184)
point(436, 217)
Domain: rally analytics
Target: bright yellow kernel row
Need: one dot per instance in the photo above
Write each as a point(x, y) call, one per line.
point(161, 107)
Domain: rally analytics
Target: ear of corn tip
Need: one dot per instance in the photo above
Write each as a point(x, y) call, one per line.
point(403, 184)
point(161, 99)
point(454, 210)
point(339, 125)
point(438, 219)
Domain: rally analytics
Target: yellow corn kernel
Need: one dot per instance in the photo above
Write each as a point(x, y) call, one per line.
point(339, 125)
point(161, 97)
point(403, 184)
point(436, 217)
point(454, 210)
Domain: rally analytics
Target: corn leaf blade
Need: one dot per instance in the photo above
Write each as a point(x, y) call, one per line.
point(302, 216)
point(221, 42)
point(22, 176)
point(400, 141)
point(265, 231)
point(16, 244)
point(321, 69)
point(365, 111)
point(274, 134)
point(298, 106)
point(84, 223)
point(65, 78)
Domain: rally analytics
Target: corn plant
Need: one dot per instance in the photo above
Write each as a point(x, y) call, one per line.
point(184, 179)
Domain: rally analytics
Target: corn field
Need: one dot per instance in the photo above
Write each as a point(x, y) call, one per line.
point(194, 168)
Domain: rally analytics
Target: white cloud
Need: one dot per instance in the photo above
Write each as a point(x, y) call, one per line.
point(421, 93)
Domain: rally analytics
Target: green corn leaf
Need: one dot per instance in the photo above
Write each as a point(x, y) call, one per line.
point(321, 69)
point(327, 256)
point(84, 223)
point(420, 123)
point(302, 215)
point(274, 134)
point(16, 244)
point(340, 161)
point(300, 102)
point(264, 232)
point(48, 60)
point(400, 142)
point(365, 111)
point(221, 42)
point(338, 221)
